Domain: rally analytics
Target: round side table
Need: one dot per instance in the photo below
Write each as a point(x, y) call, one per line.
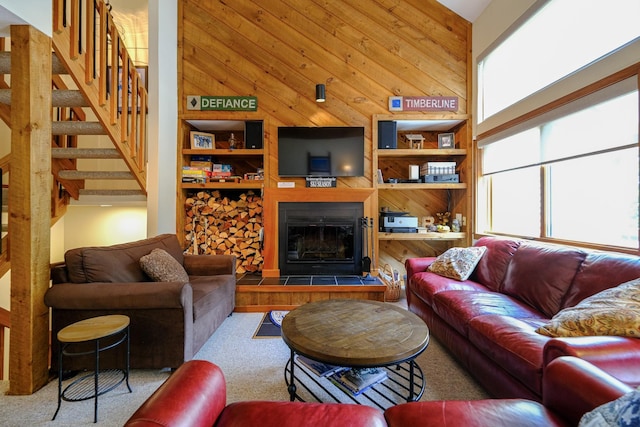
point(105, 332)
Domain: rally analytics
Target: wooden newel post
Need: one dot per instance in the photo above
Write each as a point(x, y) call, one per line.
point(29, 208)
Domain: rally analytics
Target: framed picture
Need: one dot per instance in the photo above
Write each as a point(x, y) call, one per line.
point(446, 140)
point(202, 141)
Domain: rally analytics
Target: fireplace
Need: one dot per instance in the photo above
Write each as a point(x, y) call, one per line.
point(318, 238)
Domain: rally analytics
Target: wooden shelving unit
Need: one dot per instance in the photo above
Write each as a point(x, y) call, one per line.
point(422, 199)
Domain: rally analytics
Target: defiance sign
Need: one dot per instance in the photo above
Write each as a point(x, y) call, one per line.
point(423, 103)
point(222, 103)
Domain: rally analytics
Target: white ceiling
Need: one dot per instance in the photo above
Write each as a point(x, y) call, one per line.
point(468, 9)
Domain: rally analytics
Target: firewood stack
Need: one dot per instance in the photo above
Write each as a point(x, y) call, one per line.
point(219, 225)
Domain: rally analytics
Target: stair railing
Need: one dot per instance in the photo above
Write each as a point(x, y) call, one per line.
point(86, 40)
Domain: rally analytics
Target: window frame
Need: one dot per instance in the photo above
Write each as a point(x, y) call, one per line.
point(624, 74)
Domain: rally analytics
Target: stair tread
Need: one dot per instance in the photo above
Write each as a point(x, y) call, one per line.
point(77, 128)
point(76, 174)
point(84, 153)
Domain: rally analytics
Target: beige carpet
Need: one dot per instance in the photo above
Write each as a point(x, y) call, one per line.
point(254, 369)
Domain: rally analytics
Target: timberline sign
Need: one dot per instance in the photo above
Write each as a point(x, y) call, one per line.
point(222, 103)
point(423, 103)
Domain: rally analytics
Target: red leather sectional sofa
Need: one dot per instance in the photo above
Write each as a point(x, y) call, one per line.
point(195, 396)
point(488, 322)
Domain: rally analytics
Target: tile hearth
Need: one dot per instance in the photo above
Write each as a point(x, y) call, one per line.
point(308, 280)
point(256, 293)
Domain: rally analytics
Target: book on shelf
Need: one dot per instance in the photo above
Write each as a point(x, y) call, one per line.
point(357, 380)
point(319, 368)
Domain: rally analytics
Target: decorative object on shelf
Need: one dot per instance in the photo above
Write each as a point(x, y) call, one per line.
point(233, 144)
point(443, 217)
point(443, 221)
point(202, 140)
point(391, 279)
point(455, 225)
point(320, 93)
point(415, 140)
point(446, 140)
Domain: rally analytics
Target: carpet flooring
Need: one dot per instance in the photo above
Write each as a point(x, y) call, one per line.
point(253, 369)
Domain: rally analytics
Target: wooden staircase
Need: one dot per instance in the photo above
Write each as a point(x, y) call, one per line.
point(98, 147)
point(86, 48)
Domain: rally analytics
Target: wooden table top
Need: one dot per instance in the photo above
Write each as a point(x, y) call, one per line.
point(355, 333)
point(93, 328)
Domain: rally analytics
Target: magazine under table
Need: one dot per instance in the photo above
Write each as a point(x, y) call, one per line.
point(404, 383)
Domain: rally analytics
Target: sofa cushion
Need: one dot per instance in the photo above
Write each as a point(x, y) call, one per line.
point(472, 413)
point(162, 267)
point(540, 275)
point(614, 311)
point(457, 263)
point(117, 263)
point(210, 291)
point(425, 285)
point(624, 411)
point(600, 271)
point(457, 308)
point(492, 267)
point(296, 414)
point(512, 344)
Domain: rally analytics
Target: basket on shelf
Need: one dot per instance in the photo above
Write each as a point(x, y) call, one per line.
point(392, 281)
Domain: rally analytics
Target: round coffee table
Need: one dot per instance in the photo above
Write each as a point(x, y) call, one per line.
point(356, 334)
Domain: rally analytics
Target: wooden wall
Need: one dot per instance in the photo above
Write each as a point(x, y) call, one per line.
point(363, 51)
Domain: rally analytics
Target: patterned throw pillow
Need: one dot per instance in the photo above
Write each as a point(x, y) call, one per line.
point(457, 263)
point(614, 311)
point(622, 412)
point(162, 267)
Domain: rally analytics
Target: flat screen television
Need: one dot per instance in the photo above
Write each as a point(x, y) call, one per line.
point(321, 151)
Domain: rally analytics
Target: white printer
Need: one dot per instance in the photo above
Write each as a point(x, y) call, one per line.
point(398, 222)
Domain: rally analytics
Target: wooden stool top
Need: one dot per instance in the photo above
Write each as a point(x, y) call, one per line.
point(93, 328)
point(356, 333)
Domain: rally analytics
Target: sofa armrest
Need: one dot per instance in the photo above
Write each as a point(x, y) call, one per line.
point(194, 395)
point(573, 387)
point(416, 265)
point(209, 265)
point(121, 296)
point(618, 356)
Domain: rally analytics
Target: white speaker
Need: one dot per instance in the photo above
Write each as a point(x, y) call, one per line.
point(413, 171)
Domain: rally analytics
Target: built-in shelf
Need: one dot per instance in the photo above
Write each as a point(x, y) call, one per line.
point(243, 185)
point(421, 152)
point(421, 236)
point(223, 152)
point(424, 186)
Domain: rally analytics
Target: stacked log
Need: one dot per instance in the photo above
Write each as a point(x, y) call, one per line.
point(218, 225)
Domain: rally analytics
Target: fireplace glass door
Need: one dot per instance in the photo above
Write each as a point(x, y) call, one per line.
point(320, 238)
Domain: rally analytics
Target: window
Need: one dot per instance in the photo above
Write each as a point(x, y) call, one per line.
point(571, 175)
point(561, 37)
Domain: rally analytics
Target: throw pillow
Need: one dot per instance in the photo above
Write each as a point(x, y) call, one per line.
point(162, 267)
point(457, 263)
point(622, 412)
point(614, 311)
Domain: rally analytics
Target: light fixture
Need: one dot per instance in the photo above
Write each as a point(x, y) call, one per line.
point(320, 93)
